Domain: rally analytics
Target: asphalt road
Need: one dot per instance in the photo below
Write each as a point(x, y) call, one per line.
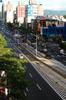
point(39, 89)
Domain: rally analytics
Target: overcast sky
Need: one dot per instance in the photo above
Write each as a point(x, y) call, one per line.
point(48, 4)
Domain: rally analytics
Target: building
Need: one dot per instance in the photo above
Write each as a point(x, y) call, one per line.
point(53, 30)
point(40, 10)
point(32, 2)
point(4, 12)
point(21, 13)
point(7, 12)
point(33, 10)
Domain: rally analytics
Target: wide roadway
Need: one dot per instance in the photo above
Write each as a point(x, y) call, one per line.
point(39, 89)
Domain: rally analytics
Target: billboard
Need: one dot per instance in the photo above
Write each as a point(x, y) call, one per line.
point(29, 10)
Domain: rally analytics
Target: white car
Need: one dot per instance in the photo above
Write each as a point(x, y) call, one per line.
point(21, 56)
point(62, 51)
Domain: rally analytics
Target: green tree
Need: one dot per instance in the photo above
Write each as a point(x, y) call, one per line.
point(3, 46)
point(3, 42)
point(11, 26)
point(15, 71)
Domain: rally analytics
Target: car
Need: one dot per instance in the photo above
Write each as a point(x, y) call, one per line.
point(21, 56)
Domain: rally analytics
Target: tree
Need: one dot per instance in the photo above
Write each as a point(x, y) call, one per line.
point(11, 26)
point(15, 70)
point(3, 42)
point(3, 46)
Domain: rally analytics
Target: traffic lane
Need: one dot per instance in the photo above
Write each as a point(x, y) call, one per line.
point(46, 91)
point(43, 94)
point(34, 92)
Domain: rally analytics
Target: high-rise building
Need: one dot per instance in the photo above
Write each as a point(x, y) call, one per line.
point(34, 10)
point(32, 1)
point(21, 12)
point(40, 10)
point(7, 10)
point(9, 6)
point(23, 2)
point(4, 11)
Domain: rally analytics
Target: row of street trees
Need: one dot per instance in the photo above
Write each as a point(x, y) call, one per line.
point(15, 71)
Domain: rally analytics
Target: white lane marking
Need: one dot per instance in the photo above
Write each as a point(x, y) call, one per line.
point(25, 93)
point(38, 87)
point(30, 75)
point(27, 89)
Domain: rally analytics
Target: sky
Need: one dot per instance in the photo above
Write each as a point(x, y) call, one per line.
point(48, 4)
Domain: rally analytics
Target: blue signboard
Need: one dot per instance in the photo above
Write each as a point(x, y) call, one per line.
point(29, 10)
